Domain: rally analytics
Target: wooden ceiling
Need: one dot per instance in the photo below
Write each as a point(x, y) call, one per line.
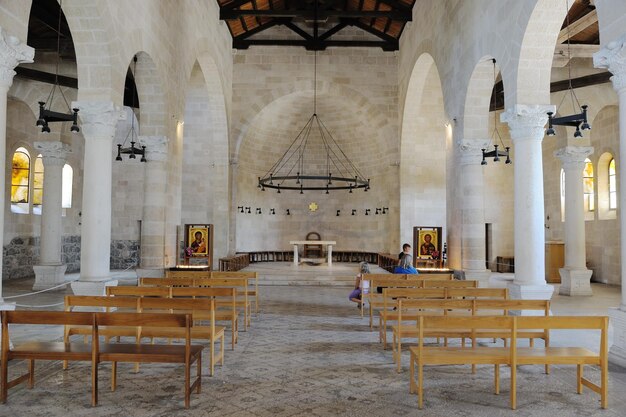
point(316, 21)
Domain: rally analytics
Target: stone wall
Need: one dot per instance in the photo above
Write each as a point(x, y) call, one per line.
point(357, 102)
point(22, 253)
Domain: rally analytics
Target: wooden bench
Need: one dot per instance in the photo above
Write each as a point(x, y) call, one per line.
point(55, 351)
point(412, 309)
point(513, 355)
point(252, 276)
point(97, 351)
point(201, 310)
point(225, 297)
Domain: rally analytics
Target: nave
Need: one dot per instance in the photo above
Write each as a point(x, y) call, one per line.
point(309, 353)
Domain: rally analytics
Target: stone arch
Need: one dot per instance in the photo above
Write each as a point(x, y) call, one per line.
point(205, 171)
point(363, 137)
point(424, 137)
point(94, 71)
point(534, 68)
point(478, 99)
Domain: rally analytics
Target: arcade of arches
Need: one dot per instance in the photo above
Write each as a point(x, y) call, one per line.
point(216, 109)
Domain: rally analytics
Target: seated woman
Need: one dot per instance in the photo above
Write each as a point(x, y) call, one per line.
point(356, 294)
point(405, 266)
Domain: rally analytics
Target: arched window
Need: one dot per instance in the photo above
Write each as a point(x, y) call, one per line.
point(562, 182)
point(588, 186)
point(612, 186)
point(38, 185)
point(66, 193)
point(20, 181)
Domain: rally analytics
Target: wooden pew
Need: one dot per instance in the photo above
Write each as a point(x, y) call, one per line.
point(412, 309)
point(513, 355)
point(252, 277)
point(118, 352)
point(96, 351)
point(224, 297)
point(475, 293)
point(200, 310)
point(188, 273)
point(56, 351)
point(132, 291)
point(241, 284)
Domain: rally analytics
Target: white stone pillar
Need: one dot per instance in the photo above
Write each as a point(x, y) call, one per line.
point(12, 53)
point(154, 206)
point(51, 271)
point(472, 204)
point(575, 277)
point(613, 57)
point(98, 120)
point(526, 124)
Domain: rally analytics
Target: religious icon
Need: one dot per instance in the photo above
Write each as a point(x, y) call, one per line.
point(428, 241)
point(197, 240)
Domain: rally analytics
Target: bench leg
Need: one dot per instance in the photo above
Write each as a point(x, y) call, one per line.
point(496, 373)
point(199, 373)
point(94, 383)
point(113, 376)
point(412, 374)
point(212, 356)
point(31, 373)
point(420, 384)
point(4, 379)
point(513, 387)
point(579, 379)
point(399, 355)
point(222, 350)
point(188, 384)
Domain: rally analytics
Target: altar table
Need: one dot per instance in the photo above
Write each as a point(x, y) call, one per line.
point(329, 250)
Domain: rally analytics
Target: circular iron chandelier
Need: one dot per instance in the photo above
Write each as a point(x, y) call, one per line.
point(296, 171)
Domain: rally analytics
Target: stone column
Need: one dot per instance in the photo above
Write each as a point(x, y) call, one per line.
point(526, 124)
point(12, 53)
point(98, 121)
point(472, 203)
point(155, 200)
point(575, 277)
point(51, 271)
point(613, 57)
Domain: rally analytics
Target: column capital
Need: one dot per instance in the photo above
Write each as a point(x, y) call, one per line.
point(471, 150)
point(98, 118)
point(12, 53)
point(573, 156)
point(156, 147)
point(53, 153)
point(613, 58)
point(527, 122)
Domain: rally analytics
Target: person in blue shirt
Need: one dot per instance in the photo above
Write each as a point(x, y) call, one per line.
point(405, 265)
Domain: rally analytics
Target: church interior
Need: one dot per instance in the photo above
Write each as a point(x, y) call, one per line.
point(198, 185)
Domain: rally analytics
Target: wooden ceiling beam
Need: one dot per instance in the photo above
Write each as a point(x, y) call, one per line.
point(234, 4)
point(321, 15)
point(313, 45)
point(368, 29)
point(578, 26)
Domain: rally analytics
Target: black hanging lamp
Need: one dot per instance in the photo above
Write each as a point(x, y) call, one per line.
point(293, 171)
point(496, 153)
point(46, 114)
point(579, 121)
point(132, 151)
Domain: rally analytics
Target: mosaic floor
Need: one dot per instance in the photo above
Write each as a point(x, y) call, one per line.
point(309, 353)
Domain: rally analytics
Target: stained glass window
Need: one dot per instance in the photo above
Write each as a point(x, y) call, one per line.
point(20, 175)
point(612, 186)
point(38, 181)
point(588, 186)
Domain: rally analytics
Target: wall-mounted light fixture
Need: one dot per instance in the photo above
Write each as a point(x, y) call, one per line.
point(248, 210)
point(385, 210)
point(288, 213)
point(353, 212)
point(259, 211)
point(272, 211)
point(367, 212)
point(240, 208)
point(338, 211)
